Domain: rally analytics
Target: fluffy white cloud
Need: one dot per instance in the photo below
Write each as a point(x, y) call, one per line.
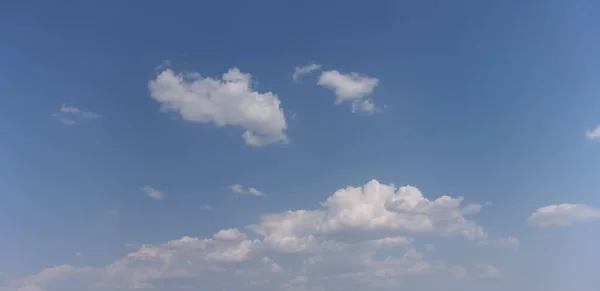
point(348, 87)
point(229, 100)
point(241, 190)
point(153, 193)
point(303, 70)
point(563, 215)
point(350, 244)
point(593, 134)
point(70, 115)
point(373, 207)
point(351, 87)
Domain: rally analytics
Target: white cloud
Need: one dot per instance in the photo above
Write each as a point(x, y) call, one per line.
point(303, 70)
point(472, 208)
point(373, 207)
point(348, 87)
point(563, 215)
point(350, 244)
point(352, 87)
point(240, 190)
point(230, 235)
point(229, 100)
point(70, 115)
point(78, 254)
point(593, 134)
point(153, 193)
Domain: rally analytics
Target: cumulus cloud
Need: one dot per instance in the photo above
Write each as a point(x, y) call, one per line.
point(350, 244)
point(303, 70)
point(563, 215)
point(241, 190)
point(231, 264)
point(351, 87)
point(226, 101)
point(153, 193)
point(70, 115)
point(372, 207)
point(593, 134)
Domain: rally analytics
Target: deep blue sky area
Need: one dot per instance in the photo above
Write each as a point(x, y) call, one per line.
point(486, 100)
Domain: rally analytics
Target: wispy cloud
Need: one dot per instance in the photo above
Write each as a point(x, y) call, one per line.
point(70, 115)
point(303, 70)
point(593, 134)
point(241, 190)
point(153, 193)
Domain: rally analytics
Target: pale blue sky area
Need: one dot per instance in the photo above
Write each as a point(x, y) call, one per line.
point(486, 100)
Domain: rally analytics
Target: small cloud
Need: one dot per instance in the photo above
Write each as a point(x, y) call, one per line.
point(351, 87)
point(153, 193)
point(70, 115)
point(206, 207)
point(240, 190)
point(232, 234)
point(78, 254)
point(472, 209)
point(364, 106)
point(593, 134)
point(303, 70)
point(563, 215)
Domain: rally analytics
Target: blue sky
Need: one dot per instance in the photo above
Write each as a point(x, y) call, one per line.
point(154, 145)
